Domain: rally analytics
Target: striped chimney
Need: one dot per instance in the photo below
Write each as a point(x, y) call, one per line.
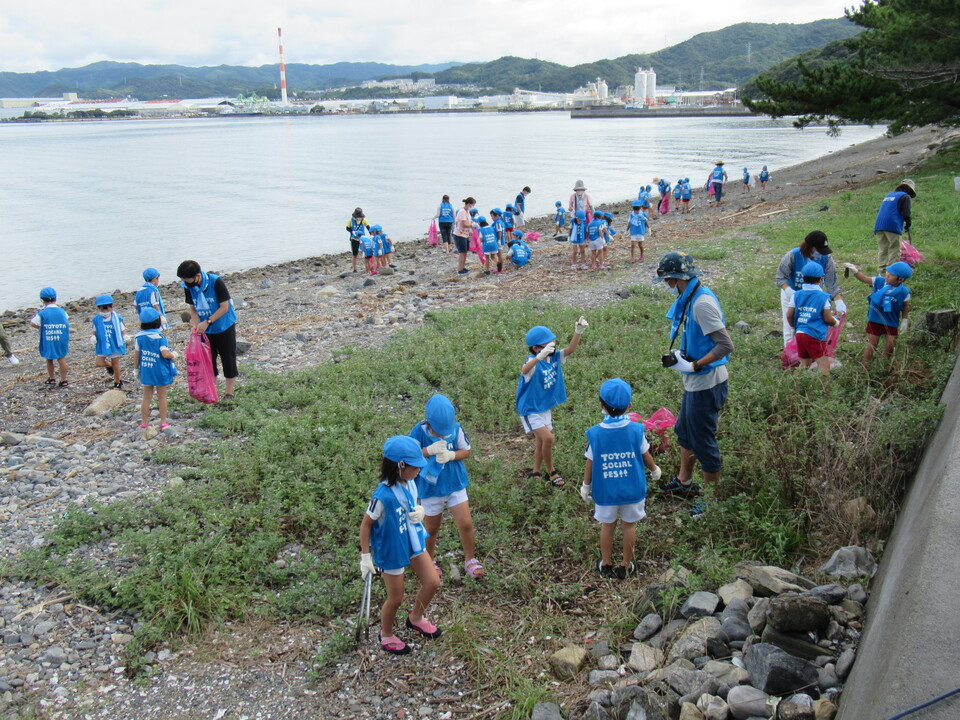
point(283, 70)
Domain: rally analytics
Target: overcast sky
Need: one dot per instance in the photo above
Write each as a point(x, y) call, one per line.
point(53, 34)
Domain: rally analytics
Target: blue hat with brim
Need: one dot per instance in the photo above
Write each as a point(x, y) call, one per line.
point(149, 315)
point(616, 393)
point(518, 233)
point(104, 300)
point(901, 270)
point(48, 293)
point(150, 273)
point(539, 335)
point(558, 203)
point(812, 269)
point(636, 203)
point(403, 448)
point(441, 415)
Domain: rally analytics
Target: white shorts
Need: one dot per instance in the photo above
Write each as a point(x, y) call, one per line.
point(436, 505)
point(597, 244)
point(534, 421)
point(111, 357)
point(399, 571)
point(638, 238)
point(628, 513)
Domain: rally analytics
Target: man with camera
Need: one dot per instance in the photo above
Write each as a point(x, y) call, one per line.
point(705, 348)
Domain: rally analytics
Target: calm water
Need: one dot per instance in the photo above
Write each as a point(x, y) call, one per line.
point(86, 206)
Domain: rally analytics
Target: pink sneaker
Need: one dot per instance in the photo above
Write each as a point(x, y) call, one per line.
point(164, 426)
point(592, 267)
point(144, 426)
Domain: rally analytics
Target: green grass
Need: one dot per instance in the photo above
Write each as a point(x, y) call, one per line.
point(300, 452)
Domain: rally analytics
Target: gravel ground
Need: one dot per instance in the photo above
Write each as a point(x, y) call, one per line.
point(61, 658)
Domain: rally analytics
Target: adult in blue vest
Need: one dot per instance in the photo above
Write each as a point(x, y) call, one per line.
point(444, 217)
point(211, 312)
point(789, 276)
point(705, 347)
point(357, 226)
point(520, 203)
point(893, 220)
point(717, 178)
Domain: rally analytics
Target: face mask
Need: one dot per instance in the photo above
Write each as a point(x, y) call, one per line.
point(106, 313)
point(816, 254)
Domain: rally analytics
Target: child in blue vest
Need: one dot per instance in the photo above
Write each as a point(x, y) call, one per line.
point(559, 218)
point(597, 238)
point(615, 475)
point(392, 536)
point(508, 219)
point(644, 198)
point(578, 240)
point(54, 335)
point(663, 187)
point(489, 246)
point(108, 337)
point(677, 192)
point(638, 230)
point(499, 229)
point(611, 235)
point(154, 360)
point(764, 178)
point(376, 235)
point(746, 180)
point(369, 245)
point(443, 482)
point(686, 193)
point(387, 248)
point(540, 389)
point(149, 296)
point(520, 252)
point(810, 314)
point(889, 307)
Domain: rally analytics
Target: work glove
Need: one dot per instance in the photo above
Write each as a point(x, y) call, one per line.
point(580, 326)
point(841, 307)
point(416, 514)
point(436, 448)
point(445, 456)
point(366, 565)
point(586, 492)
point(682, 364)
point(93, 340)
point(852, 268)
point(173, 355)
point(547, 350)
point(655, 473)
point(904, 324)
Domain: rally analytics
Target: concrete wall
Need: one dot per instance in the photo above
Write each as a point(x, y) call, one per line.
point(910, 652)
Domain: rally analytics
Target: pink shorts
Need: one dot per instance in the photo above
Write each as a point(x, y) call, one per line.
point(809, 347)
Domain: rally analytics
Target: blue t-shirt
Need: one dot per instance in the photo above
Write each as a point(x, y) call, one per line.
point(446, 213)
point(560, 218)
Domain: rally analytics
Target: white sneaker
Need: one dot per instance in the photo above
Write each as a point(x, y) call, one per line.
point(13, 360)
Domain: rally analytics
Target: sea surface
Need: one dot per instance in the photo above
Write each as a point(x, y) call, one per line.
point(86, 206)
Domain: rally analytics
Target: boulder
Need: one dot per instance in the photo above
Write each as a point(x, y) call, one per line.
point(939, 322)
point(776, 672)
point(692, 642)
point(608, 662)
point(726, 672)
point(757, 617)
point(845, 663)
point(850, 562)
point(831, 594)
point(737, 589)
point(700, 604)
point(566, 661)
point(792, 612)
point(648, 627)
point(106, 402)
point(767, 580)
point(595, 711)
point(635, 703)
point(856, 593)
point(687, 682)
point(796, 707)
point(644, 658)
point(793, 643)
point(748, 702)
point(546, 711)
point(603, 676)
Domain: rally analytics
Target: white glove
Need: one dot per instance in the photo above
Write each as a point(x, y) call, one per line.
point(787, 293)
point(586, 492)
point(416, 514)
point(841, 307)
point(547, 350)
point(580, 326)
point(445, 456)
point(366, 565)
point(682, 365)
point(93, 340)
point(655, 473)
point(852, 268)
point(904, 324)
point(173, 355)
point(436, 448)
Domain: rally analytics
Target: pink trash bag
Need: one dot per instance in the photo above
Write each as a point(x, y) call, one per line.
point(532, 236)
point(664, 205)
point(909, 254)
point(432, 235)
point(658, 424)
point(201, 381)
point(790, 357)
point(476, 246)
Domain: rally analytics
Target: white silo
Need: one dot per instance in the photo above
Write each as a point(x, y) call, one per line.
point(603, 92)
point(640, 85)
point(651, 93)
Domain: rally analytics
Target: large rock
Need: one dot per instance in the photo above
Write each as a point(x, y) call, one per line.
point(685, 681)
point(845, 663)
point(737, 589)
point(106, 402)
point(648, 627)
point(565, 662)
point(598, 677)
point(595, 711)
point(748, 702)
point(635, 703)
point(794, 612)
point(850, 562)
point(689, 711)
point(546, 711)
point(796, 707)
point(775, 671)
point(8, 438)
point(859, 513)
point(726, 672)
point(692, 642)
point(830, 594)
point(767, 580)
point(700, 604)
point(644, 658)
point(713, 707)
point(793, 643)
point(757, 617)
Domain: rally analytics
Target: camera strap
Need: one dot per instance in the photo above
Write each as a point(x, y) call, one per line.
point(675, 330)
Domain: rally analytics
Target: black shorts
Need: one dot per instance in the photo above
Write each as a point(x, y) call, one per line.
point(224, 345)
point(445, 229)
point(463, 243)
point(354, 247)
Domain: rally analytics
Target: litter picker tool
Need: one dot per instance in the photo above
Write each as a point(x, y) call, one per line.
point(363, 617)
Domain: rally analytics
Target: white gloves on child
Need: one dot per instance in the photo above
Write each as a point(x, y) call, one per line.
point(416, 514)
point(366, 565)
point(547, 350)
point(586, 492)
point(682, 364)
point(445, 456)
point(173, 355)
point(436, 448)
point(655, 473)
point(904, 324)
point(580, 326)
point(841, 307)
point(851, 267)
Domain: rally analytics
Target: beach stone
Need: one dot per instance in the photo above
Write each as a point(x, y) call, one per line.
point(266, 284)
point(9, 439)
point(767, 580)
point(55, 655)
point(849, 562)
point(595, 712)
point(692, 642)
point(687, 682)
point(608, 662)
point(793, 643)
point(546, 711)
point(386, 270)
point(845, 663)
point(700, 604)
point(796, 707)
point(853, 609)
point(939, 322)
point(600, 648)
point(737, 589)
point(689, 711)
point(635, 703)
point(644, 658)
point(797, 613)
point(106, 402)
point(856, 593)
point(599, 696)
point(713, 707)
point(648, 627)
point(775, 671)
point(567, 661)
point(326, 291)
point(243, 346)
point(745, 701)
point(743, 326)
point(823, 709)
point(757, 617)
point(121, 638)
point(830, 594)
point(827, 677)
point(726, 672)
point(603, 676)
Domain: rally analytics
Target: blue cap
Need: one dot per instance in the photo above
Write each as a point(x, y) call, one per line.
point(148, 315)
point(104, 300)
point(581, 214)
point(496, 211)
point(812, 269)
point(473, 211)
point(649, 188)
point(539, 335)
point(608, 216)
point(511, 208)
point(558, 203)
point(481, 219)
point(744, 169)
point(150, 273)
point(900, 269)
point(636, 203)
point(441, 414)
point(616, 393)
point(686, 179)
point(48, 293)
point(403, 448)
point(518, 233)
point(376, 228)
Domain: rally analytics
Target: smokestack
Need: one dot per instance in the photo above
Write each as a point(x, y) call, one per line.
point(283, 70)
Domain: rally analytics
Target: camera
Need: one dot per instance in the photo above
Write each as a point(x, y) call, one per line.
point(671, 359)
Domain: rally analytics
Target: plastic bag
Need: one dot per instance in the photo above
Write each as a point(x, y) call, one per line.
point(664, 205)
point(534, 236)
point(790, 357)
point(909, 254)
point(657, 424)
point(432, 235)
point(476, 246)
point(201, 381)
point(710, 189)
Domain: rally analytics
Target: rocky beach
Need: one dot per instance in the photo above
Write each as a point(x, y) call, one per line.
point(61, 657)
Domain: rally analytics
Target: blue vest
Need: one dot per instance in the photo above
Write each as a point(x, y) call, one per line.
point(746, 178)
point(154, 368)
point(764, 176)
point(521, 202)
point(545, 390)
point(560, 218)
point(594, 228)
point(439, 479)
point(686, 192)
point(717, 175)
point(618, 477)
point(109, 339)
point(644, 197)
point(663, 187)
point(54, 333)
point(808, 313)
point(578, 232)
point(489, 238)
point(677, 190)
point(799, 260)
point(144, 298)
point(446, 213)
point(357, 228)
point(521, 253)
point(368, 244)
point(508, 218)
point(377, 239)
point(390, 541)
point(498, 229)
point(886, 303)
point(638, 223)
point(889, 217)
point(694, 343)
point(387, 243)
point(205, 303)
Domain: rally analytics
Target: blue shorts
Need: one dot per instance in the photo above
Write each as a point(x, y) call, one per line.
point(696, 426)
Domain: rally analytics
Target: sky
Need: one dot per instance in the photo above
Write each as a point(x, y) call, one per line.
point(53, 34)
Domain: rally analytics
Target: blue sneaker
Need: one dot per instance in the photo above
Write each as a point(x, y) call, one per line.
point(698, 508)
point(679, 489)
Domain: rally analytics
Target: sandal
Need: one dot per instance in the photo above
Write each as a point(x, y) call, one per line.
point(556, 479)
point(118, 385)
point(425, 628)
point(144, 426)
point(533, 477)
point(51, 381)
point(393, 645)
point(164, 426)
point(620, 572)
point(474, 569)
point(64, 383)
